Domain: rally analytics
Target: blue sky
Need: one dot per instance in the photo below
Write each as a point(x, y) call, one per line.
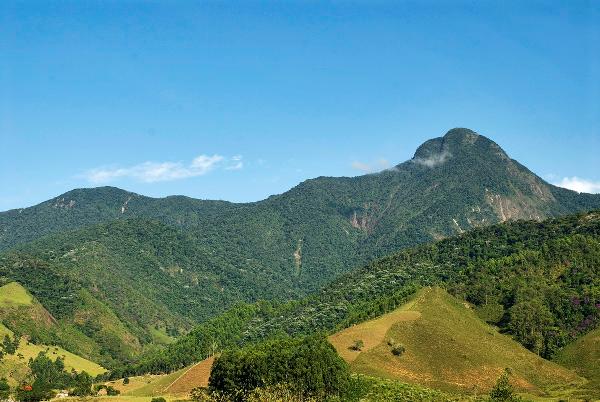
point(240, 100)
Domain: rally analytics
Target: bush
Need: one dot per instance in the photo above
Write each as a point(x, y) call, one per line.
point(503, 390)
point(397, 349)
point(111, 391)
point(159, 399)
point(357, 345)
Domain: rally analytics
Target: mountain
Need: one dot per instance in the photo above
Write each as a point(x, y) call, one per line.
point(536, 281)
point(123, 252)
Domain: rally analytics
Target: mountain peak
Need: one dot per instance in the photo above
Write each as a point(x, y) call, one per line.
point(457, 142)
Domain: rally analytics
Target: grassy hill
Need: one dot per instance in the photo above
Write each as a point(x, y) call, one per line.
point(15, 300)
point(583, 356)
point(23, 315)
point(447, 347)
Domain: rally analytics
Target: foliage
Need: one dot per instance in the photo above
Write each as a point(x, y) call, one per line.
point(503, 390)
point(4, 389)
point(48, 375)
point(309, 365)
point(86, 250)
point(357, 345)
point(517, 267)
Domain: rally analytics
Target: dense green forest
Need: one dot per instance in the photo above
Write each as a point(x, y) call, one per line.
point(537, 281)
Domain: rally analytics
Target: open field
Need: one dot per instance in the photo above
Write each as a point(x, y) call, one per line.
point(14, 294)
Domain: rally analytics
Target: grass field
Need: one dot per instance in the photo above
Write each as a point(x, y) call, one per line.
point(14, 367)
point(583, 356)
point(448, 348)
point(147, 385)
point(14, 294)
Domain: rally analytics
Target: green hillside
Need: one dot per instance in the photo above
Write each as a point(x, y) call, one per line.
point(93, 331)
point(102, 260)
point(562, 256)
point(447, 347)
point(583, 356)
point(33, 325)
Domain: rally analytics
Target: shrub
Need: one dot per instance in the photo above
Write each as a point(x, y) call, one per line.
point(357, 345)
point(503, 390)
point(398, 349)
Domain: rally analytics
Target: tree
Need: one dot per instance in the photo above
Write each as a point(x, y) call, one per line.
point(503, 390)
point(82, 384)
point(4, 389)
point(357, 345)
point(309, 365)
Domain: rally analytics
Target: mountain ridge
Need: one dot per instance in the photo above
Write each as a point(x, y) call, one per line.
point(98, 241)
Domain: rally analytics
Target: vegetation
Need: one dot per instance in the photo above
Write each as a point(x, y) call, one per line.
point(310, 366)
point(485, 267)
point(444, 345)
point(583, 356)
point(49, 375)
point(93, 245)
point(503, 390)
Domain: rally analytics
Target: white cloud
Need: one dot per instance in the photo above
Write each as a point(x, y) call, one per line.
point(381, 164)
point(433, 160)
point(578, 184)
point(236, 163)
point(150, 172)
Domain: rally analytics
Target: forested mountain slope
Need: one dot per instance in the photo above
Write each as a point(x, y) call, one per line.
point(155, 267)
point(326, 226)
point(536, 281)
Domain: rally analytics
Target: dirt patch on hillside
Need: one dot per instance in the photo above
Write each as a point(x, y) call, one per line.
point(196, 376)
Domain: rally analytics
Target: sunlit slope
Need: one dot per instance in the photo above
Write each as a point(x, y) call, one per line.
point(583, 356)
point(20, 310)
point(447, 347)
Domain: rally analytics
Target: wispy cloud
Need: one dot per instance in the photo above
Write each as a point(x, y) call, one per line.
point(373, 167)
point(433, 160)
point(236, 163)
point(578, 184)
point(150, 172)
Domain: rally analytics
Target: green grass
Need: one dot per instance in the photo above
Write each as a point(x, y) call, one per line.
point(583, 356)
point(449, 348)
point(160, 336)
point(14, 367)
point(157, 385)
point(381, 390)
point(4, 331)
point(14, 294)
